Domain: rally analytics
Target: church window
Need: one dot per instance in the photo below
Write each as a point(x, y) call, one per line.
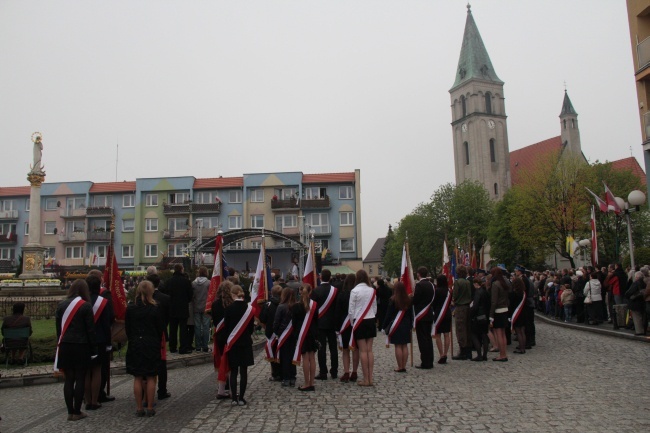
point(466, 148)
point(463, 105)
point(573, 123)
point(564, 121)
point(496, 189)
point(493, 156)
point(488, 103)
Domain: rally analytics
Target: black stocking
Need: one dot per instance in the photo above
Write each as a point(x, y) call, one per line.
point(73, 389)
point(243, 372)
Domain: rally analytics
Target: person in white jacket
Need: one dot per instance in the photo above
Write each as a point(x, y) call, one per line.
point(593, 290)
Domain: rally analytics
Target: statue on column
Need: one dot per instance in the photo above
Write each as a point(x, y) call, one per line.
point(37, 167)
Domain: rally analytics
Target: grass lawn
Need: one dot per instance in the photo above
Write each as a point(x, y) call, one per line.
point(43, 328)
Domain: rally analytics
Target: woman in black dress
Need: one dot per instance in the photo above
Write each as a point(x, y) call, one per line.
point(240, 354)
point(144, 329)
point(309, 346)
point(223, 300)
point(341, 313)
point(383, 298)
point(281, 321)
point(76, 348)
point(479, 312)
point(443, 324)
point(401, 335)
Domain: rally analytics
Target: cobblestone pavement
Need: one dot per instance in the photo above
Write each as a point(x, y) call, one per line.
point(572, 381)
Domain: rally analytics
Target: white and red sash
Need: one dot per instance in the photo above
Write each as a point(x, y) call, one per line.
point(98, 307)
point(344, 326)
point(425, 310)
point(443, 313)
point(269, 348)
point(304, 329)
point(237, 332)
point(216, 354)
point(395, 325)
point(358, 320)
point(517, 312)
point(328, 302)
point(65, 322)
point(284, 336)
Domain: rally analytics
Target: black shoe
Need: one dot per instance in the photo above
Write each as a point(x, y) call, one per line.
point(459, 357)
point(322, 376)
point(105, 399)
point(424, 367)
point(478, 358)
point(334, 375)
point(164, 395)
point(442, 360)
point(529, 347)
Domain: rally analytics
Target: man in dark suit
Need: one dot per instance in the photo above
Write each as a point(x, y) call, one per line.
point(422, 298)
point(325, 297)
point(179, 289)
point(162, 300)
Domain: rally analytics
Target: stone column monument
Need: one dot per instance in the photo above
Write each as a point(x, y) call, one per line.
point(33, 252)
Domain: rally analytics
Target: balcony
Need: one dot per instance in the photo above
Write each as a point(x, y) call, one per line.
point(98, 236)
point(643, 53)
point(189, 233)
point(176, 209)
point(315, 203)
point(73, 213)
point(8, 239)
point(99, 211)
point(285, 204)
point(289, 231)
point(206, 207)
point(321, 230)
point(72, 237)
point(9, 215)
point(646, 127)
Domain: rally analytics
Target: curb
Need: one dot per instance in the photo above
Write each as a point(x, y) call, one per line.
point(196, 358)
point(593, 329)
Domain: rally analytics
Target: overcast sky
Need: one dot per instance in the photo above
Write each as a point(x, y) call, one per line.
point(210, 88)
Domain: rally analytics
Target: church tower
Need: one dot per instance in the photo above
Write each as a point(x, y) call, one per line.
point(479, 127)
point(569, 126)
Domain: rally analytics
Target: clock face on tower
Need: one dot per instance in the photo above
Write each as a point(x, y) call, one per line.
point(464, 127)
point(490, 124)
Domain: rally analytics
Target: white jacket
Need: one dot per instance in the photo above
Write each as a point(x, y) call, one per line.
point(594, 285)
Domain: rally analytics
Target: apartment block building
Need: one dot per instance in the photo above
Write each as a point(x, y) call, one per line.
point(159, 219)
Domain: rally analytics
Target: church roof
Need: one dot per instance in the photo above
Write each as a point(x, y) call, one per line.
point(630, 164)
point(474, 61)
point(375, 252)
point(567, 107)
point(524, 159)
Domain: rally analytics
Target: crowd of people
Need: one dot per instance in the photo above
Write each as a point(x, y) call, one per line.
point(303, 323)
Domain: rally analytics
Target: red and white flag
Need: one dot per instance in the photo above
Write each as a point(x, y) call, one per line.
point(258, 288)
point(309, 275)
point(446, 266)
point(594, 238)
point(611, 201)
point(602, 205)
point(217, 272)
point(407, 270)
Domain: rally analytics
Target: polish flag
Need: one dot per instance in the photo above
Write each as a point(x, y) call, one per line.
point(611, 201)
point(309, 275)
point(602, 205)
point(407, 270)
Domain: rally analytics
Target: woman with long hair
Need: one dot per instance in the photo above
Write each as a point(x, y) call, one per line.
point(301, 311)
point(286, 339)
point(362, 312)
point(499, 302)
point(442, 313)
point(240, 349)
point(144, 330)
point(222, 300)
point(344, 331)
point(398, 324)
point(77, 345)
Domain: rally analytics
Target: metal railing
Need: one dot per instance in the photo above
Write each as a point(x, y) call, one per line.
point(36, 307)
point(643, 53)
point(646, 125)
point(9, 215)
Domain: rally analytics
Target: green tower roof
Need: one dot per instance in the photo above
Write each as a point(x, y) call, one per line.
point(567, 107)
point(474, 62)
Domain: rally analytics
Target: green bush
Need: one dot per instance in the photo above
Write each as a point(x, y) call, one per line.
point(43, 349)
point(641, 257)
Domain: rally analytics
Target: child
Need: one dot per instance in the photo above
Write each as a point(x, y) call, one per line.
point(567, 299)
point(239, 346)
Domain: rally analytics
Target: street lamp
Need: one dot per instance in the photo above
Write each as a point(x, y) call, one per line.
point(636, 198)
point(584, 244)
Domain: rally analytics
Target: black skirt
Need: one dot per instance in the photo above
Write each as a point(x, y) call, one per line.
point(345, 337)
point(366, 329)
point(444, 327)
point(500, 321)
point(74, 356)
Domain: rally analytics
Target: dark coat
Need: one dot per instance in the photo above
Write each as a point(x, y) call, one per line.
point(218, 312)
point(319, 295)
point(81, 329)
point(241, 351)
point(402, 334)
point(163, 302)
point(103, 323)
point(282, 319)
point(342, 306)
point(144, 329)
point(299, 314)
point(267, 315)
point(179, 290)
point(636, 290)
point(422, 296)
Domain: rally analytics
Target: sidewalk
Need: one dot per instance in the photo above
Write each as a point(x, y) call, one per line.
point(603, 329)
point(43, 374)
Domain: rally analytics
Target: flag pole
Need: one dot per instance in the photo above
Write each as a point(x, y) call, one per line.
point(313, 257)
point(408, 258)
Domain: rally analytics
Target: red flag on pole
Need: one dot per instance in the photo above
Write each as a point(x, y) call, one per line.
point(611, 201)
point(258, 288)
point(309, 275)
point(602, 205)
point(407, 270)
point(114, 281)
point(217, 272)
point(594, 239)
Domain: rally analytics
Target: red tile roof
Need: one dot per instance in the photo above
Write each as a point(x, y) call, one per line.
point(112, 187)
point(219, 182)
point(328, 178)
point(524, 159)
point(14, 191)
point(630, 164)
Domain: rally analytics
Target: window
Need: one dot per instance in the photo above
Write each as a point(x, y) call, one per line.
point(151, 250)
point(315, 193)
point(319, 222)
point(488, 103)
point(6, 229)
point(127, 251)
point(151, 224)
point(177, 250)
point(466, 150)
point(179, 197)
point(151, 200)
point(234, 222)
point(204, 197)
point(564, 123)
point(257, 221)
point(74, 252)
point(257, 196)
point(573, 123)
point(49, 252)
point(100, 250)
point(128, 225)
point(76, 203)
point(103, 201)
point(50, 228)
point(347, 245)
point(51, 204)
point(496, 189)
point(321, 245)
point(463, 105)
point(345, 192)
point(209, 222)
point(101, 225)
point(177, 224)
point(286, 221)
point(234, 196)
point(9, 205)
point(256, 245)
point(26, 229)
point(493, 156)
point(346, 218)
point(75, 226)
point(128, 200)
point(235, 245)
point(28, 204)
point(7, 253)
point(286, 193)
